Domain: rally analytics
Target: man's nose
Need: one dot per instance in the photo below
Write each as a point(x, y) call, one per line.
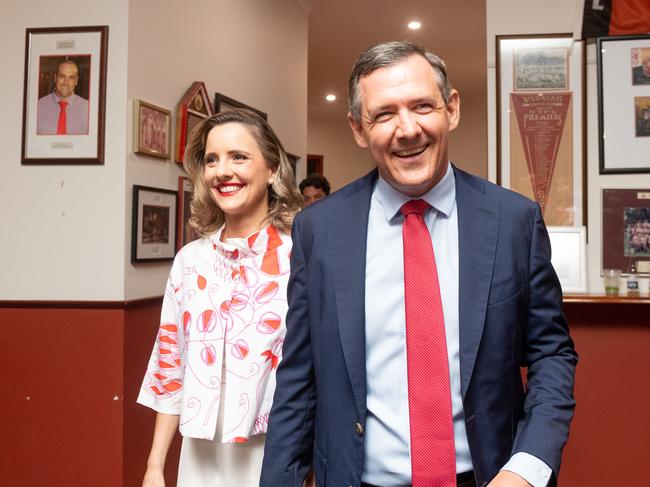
point(408, 126)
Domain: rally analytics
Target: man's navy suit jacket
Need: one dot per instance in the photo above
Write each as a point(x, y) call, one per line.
point(510, 316)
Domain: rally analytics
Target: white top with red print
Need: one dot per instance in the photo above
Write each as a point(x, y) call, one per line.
point(224, 311)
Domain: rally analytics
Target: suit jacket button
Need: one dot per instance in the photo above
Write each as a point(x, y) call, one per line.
point(359, 429)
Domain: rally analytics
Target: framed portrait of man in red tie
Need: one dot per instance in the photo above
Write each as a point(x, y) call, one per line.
point(64, 96)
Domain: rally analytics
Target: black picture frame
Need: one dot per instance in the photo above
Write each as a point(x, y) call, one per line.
point(623, 104)
point(153, 225)
point(223, 103)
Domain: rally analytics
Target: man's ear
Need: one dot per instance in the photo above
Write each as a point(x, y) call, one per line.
point(357, 132)
point(453, 110)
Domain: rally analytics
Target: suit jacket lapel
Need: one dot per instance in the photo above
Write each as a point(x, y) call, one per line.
point(348, 224)
point(478, 226)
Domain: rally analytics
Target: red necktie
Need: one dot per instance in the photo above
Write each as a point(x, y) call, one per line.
point(433, 455)
point(61, 128)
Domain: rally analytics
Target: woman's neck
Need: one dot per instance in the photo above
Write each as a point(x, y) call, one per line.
point(240, 227)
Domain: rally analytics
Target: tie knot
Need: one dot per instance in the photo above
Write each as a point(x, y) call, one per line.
point(414, 206)
point(63, 104)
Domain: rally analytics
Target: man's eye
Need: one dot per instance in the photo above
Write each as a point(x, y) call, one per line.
point(382, 116)
point(423, 107)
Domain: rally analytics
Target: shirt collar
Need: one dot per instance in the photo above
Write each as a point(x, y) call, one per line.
point(258, 243)
point(69, 99)
point(442, 196)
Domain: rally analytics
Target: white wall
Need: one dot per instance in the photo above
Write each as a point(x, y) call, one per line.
point(66, 230)
point(343, 160)
point(468, 144)
point(62, 226)
point(252, 50)
point(558, 16)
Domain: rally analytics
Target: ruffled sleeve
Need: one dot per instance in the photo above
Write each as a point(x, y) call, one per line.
point(163, 382)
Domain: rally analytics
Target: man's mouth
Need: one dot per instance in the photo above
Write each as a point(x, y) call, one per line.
point(229, 189)
point(415, 151)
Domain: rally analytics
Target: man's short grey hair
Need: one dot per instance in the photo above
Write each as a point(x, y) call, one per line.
point(387, 54)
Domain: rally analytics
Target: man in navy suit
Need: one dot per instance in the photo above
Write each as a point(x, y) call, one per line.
point(342, 402)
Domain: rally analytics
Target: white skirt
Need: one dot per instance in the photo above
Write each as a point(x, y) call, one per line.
point(206, 463)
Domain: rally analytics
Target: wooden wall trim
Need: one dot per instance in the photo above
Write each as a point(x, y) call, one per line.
point(602, 299)
point(130, 304)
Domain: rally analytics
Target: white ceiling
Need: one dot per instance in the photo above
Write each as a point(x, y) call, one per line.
point(340, 29)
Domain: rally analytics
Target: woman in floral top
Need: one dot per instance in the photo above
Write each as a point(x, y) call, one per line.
point(212, 369)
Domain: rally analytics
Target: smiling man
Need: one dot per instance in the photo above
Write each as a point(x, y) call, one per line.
point(417, 294)
point(63, 112)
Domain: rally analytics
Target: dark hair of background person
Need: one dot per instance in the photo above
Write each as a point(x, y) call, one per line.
point(317, 181)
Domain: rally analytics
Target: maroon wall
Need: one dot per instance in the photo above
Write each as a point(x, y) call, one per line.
point(141, 326)
point(62, 370)
point(610, 434)
point(70, 377)
point(71, 363)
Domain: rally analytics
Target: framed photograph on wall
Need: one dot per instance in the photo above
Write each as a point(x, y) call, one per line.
point(569, 257)
point(540, 123)
point(64, 96)
point(193, 107)
point(184, 233)
point(151, 129)
point(223, 103)
point(624, 104)
point(153, 227)
point(626, 229)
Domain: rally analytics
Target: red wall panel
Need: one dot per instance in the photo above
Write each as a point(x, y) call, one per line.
point(63, 367)
point(62, 371)
point(141, 326)
point(610, 434)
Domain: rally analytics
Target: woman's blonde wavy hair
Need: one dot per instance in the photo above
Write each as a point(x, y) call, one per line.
point(284, 199)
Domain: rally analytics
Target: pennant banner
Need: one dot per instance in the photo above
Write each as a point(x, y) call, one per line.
point(541, 118)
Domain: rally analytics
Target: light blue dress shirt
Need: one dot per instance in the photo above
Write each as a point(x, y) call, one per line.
point(387, 459)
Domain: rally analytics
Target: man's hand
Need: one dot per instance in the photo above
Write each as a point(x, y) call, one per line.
point(508, 479)
point(310, 481)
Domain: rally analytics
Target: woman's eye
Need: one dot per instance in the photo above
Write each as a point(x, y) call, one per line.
point(239, 157)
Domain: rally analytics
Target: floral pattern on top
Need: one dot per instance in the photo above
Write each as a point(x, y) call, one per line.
point(222, 319)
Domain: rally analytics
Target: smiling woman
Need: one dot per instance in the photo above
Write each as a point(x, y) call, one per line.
point(256, 135)
point(225, 304)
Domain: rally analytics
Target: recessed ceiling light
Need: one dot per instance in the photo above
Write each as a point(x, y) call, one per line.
point(414, 25)
point(330, 97)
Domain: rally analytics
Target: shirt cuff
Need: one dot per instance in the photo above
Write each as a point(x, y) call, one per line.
point(531, 468)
